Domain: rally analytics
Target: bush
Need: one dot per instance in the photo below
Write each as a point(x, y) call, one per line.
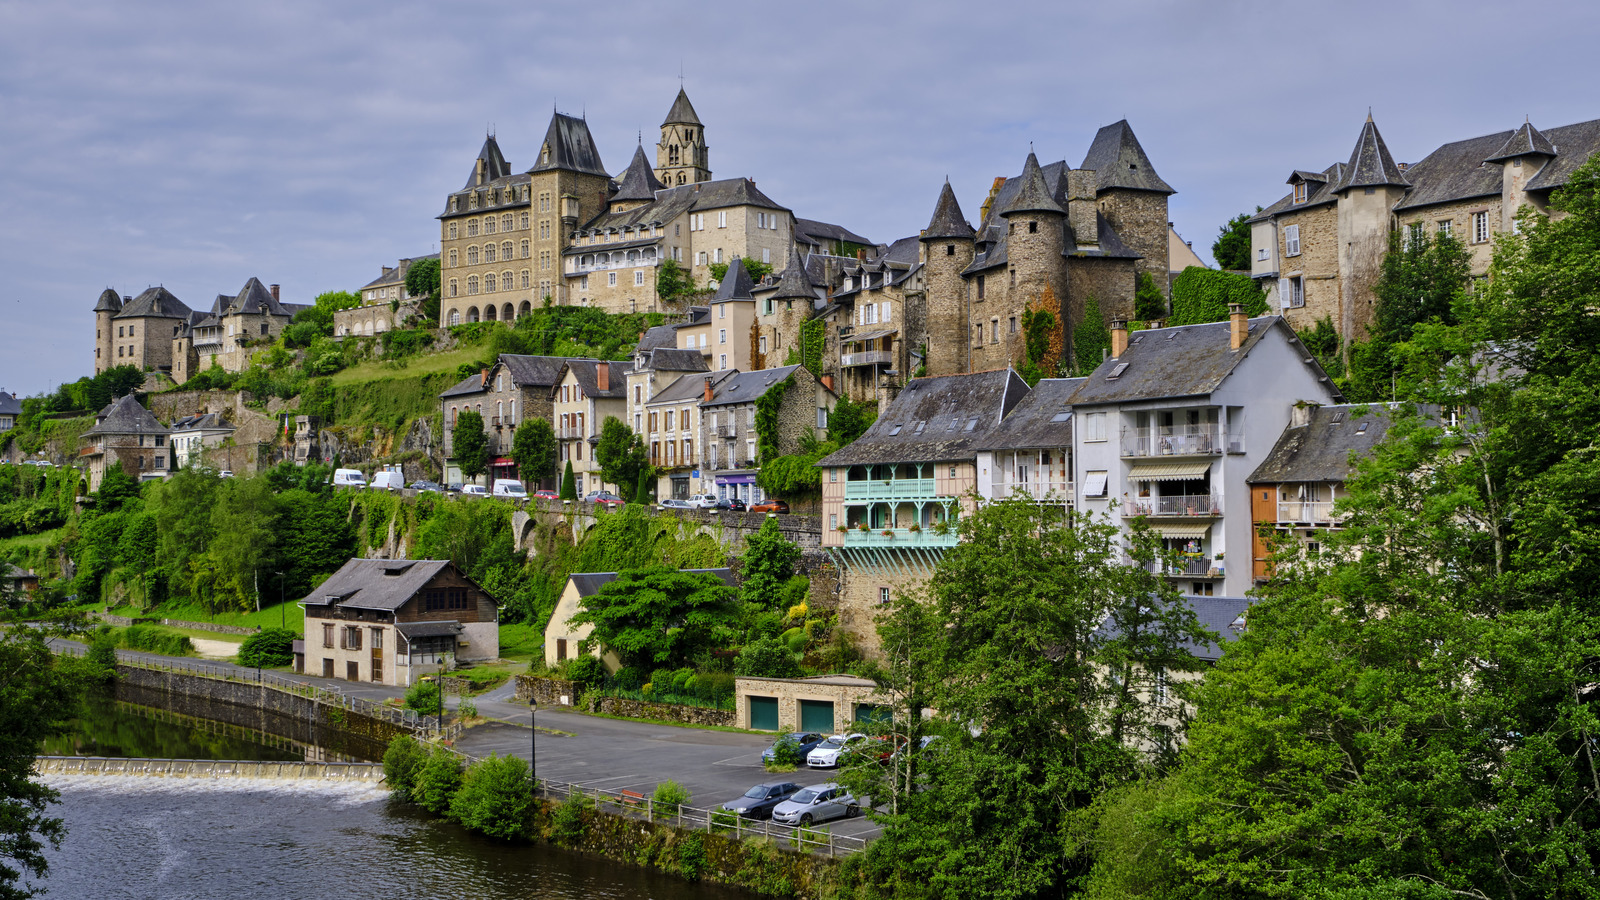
point(628, 678)
point(1202, 295)
point(424, 697)
point(586, 670)
point(153, 639)
point(437, 781)
point(268, 647)
point(669, 796)
point(692, 857)
point(495, 797)
point(786, 751)
point(401, 763)
point(768, 657)
point(567, 823)
point(103, 653)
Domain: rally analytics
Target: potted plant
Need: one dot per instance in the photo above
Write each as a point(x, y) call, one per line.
point(864, 527)
point(915, 528)
point(842, 529)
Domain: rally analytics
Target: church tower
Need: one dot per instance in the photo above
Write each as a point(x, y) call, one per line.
point(682, 157)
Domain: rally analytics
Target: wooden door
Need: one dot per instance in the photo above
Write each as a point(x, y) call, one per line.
point(377, 654)
point(352, 671)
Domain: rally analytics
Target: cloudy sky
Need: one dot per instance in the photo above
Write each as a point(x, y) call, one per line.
point(198, 144)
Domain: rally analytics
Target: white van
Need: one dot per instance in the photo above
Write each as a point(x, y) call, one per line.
point(511, 488)
point(388, 480)
point(349, 478)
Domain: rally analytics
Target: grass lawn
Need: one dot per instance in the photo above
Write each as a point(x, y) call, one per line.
point(374, 370)
point(29, 541)
point(292, 616)
point(521, 642)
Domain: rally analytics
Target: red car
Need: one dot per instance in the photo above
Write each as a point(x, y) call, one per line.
point(772, 506)
point(546, 495)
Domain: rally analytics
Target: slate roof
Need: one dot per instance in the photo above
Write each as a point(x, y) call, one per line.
point(109, 301)
point(639, 182)
point(822, 233)
point(590, 583)
point(1524, 141)
point(793, 281)
point(532, 371)
point(1370, 164)
point(585, 373)
point(690, 387)
point(1455, 171)
point(1574, 145)
point(413, 630)
point(1110, 245)
point(671, 359)
point(1032, 194)
point(736, 284)
point(253, 299)
point(156, 302)
point(682, 111)
point(495, 165)
point(947, 221)
point(1036, 421)
point(377, 583)
point(472, 384)
point(1322, 449)
point(672, 202)
point(126, 416)
point(1181, 361)
point(1319, 191)
point(202, 422)
point(659, 336)
point(946, 406)
point(396, 274)
point(10, 405)
point(745, 387)
point(1119, 161)
point(1218, 615)
point(568, 146)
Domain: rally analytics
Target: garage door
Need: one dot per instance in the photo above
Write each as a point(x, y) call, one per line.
point(868, 713)
point(764, 713)
point(816, 715)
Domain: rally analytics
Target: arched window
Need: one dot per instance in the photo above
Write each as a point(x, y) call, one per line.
point(489, 312)
point(472, 314)
point(452, 224)
point(506, 313)
point(453, 410)
point(454, 259)
point(488, 224)
point(455, 317)
point(526, 280)
point(472, 255)
point(524, 249)
point(505, 250)
point(488, 283)
point(472, 288)
point(680, 178)
point(524, 215)
point(488, 252)
point(526, 306)
point(472, 228)
point(505, 280)
point(505, 222)
point(454, 288)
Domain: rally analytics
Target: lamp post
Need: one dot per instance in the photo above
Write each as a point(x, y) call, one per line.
point(533, 741)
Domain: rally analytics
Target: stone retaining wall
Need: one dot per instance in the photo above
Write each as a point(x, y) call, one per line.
point(547, 691)
point(128, 621)
point(667, 712)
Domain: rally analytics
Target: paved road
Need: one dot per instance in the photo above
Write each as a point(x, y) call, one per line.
point(613, 754)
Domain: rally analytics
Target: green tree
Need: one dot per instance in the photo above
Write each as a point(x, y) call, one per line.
point(1419, 282)
point(268, 648)
point(673, 282)
point(767, 657)
point(422, 280)
point(534, 449)
point(641, 490)
point(402, 761)
point(496, 798)
point(245, 523)
point(766, 565)
point(849, 420)
point(622, 456)
point(757, 269)
point(437, 781)
point(117, 487)
point(1232, 247)
point(660, 617)
point(1091, 340)
point(1148, 301)
point(569, 483)
point(470, 444)
point(315, 538)
point(319, 316)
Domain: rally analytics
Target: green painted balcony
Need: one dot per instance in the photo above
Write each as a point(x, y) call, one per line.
point(900, 537)
point(894, 489)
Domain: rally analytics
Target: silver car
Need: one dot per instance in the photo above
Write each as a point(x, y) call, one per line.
point(817, 803)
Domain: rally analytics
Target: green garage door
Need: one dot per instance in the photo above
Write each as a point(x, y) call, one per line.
point(764, 713)
point(816, 715)
point(868, 713)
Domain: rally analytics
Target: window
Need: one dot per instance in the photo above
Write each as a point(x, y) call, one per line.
point(455, 287)
point(1013, 324)
point(488, 225)
point(763, 343)
point(488, 283)
point(722, 335)
point(722, 221)
point(638, 278)
point(717, 253)
point(883, 596)
point(1300, 192)
point(1094, 427)
point(1261, 254)
point(611, 279)
point(980, 287)
point(453, 234)
point(350, 639)
point(994, 331)
point(750, 451)
point(722, 363)
point(489, 253)
point(1033, 227)
point(472, 284)
point(652, 421)
point(453, 259)
point(1291, 240)
point(1480, 227)
point(1094, 484)
point(1202, 589)
point(472, 255)
point(327, 635)
point(1414, 233)
point(766, 255)
point(527, 278)
point(524, 222)
point(472, 228)
point(1445, 227)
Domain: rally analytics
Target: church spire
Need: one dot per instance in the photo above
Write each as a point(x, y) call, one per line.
point(682, 157)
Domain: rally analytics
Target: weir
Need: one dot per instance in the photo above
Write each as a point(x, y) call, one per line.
point(209, 768)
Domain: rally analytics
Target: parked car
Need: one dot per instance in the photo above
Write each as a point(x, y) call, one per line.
point(827, 754)
point(603, 497)
point(771, 505)
point(546, 494)
point(675, 503)
point(510, 488)
point(474, 490)
point(349, 478)
point(817, 803)
point(758, 802)
point(733, 503)
point(387, 480)
point(427, 486)
point(807, 741)
point(703, 501)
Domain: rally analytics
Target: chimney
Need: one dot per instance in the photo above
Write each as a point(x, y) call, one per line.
point(485, 378)
point(827, 382)
point(602, 376)
point(861, 254)
point(1300, 414)
point(707, 396)
point(1119, 337)
point(275, 297)
point(1238, 325)
point(1080, 208)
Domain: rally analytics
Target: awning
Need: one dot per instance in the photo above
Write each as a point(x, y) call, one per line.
point(413, 630)
point(1181, 531)
point(1169, 471)
point(868, 335)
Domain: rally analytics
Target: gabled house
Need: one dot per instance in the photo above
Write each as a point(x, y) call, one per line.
point(392, 621)
point(1171, 426)
point(10, 409)
point(1030, 452)
point(128, 435)
point(586, 393)
point(729, 431)
point(192, 435)
point(561, 637)
point(673, 434)
point(386, 304)
point(516, 388)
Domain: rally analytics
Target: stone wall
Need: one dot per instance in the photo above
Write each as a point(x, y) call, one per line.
point(728, 526)
point(547, 691)
point(1317, 264)
point(666, 712)
point(1140, 218)
point(1109, 282)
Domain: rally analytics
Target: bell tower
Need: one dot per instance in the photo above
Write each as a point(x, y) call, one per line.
point(682, 157)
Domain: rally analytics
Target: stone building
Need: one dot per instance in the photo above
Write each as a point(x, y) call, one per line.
point(784, 303)
point(229, 334)
point(385, 303)
point(673, 433)
point(654, 370)
point(126, 434)
point(586, 393)
point(137, 331)
point(192, 435)
point(1319, 250)
point(517, 388)
point(391, 621)
point(732, 444)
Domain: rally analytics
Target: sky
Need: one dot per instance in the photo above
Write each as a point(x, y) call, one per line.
point(196, 145)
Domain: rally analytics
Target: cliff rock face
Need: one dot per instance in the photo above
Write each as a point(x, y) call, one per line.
point(416, 451)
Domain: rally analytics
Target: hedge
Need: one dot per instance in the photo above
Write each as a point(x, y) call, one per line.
point(1202, 295)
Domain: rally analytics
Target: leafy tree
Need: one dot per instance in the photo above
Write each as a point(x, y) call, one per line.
point(849, 420)
point(182, 505)
point(641, 490)
point(767, 657)
point(422, 280)
point(1323, 342)
point(534, 449)
point(268, 647)
point(569, 483)
point(673, 282)
point(660, 616)
point(403, 759)
point(245, 520)
point(1049, 653)
point(117, 487)
point(1148, 301)
point(766, 565)
point(320, 314)
point(621, 454)
point(316, 537)
point(1418, 283)
point(470, 444)
point(757, 269)
point(1091, 340)
point(438, 781)
point(1232, 247)
point(425, 697)
point(495, 798)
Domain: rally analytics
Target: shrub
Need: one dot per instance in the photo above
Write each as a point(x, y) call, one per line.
point(424, 697)
point(401, 763)
point(495, 797)
point(586, 670)
point(786, 751)
point(103, 654)
point(268, 647)
point(692, 857)
point(768, 657)
point(467, 709)
point(716, 685)
point(723, 820)
point(153, 639)
point(628, 678)
point(1202, 295)
point(670, 796)
point(437, 782)
point(567, 823)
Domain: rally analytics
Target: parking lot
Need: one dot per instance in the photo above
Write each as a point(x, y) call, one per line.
point(615, 755)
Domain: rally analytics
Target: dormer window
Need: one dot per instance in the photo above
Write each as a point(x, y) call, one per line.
point(1300, 192)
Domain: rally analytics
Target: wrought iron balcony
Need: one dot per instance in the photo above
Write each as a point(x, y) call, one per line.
point(1208, 505)
point(1307, 512)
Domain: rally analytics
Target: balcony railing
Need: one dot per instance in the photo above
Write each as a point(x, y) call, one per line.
point(867, 358)
point(1204, 439)
point(727, 431)
point(900, 537)
point(1174, 507)
point(1194, 567)
point(1049, 491)
point(570, 433)
point(1294, 512)
point(894, 489)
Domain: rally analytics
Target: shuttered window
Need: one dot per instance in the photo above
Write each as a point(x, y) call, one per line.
point(1291, 240)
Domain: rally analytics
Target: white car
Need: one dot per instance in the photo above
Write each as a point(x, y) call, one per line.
point(474, 490)
point(703, 501)
point(827, 753)
point(817, 803)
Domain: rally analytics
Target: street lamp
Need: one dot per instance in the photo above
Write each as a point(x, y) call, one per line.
point(533, 740)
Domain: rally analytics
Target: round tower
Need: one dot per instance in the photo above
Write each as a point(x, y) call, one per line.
point(1036, 270)
point(947, 250)
point(104, 348)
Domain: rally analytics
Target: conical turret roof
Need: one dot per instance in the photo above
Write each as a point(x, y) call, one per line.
point(640, 181)
point(947, 221)
point(682, 111)
point(736, 284)
point(1119, 161)
point(1370, 163)
point(568, 146)
point(1524, 141)
point(1033, 195)
point(110, 301)
point(494, 163)
point(793, 283)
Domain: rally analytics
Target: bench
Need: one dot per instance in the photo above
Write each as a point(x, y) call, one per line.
point(632, 798)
